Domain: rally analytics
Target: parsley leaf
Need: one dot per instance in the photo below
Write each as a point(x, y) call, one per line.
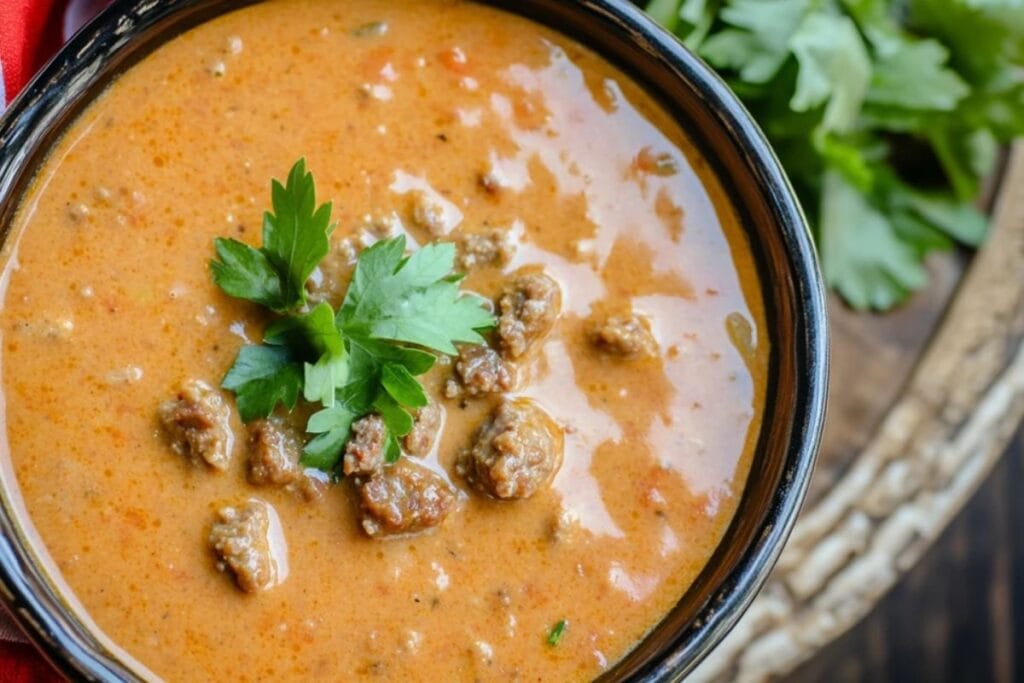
point(295, 239)
point(263, 376)
point(914, 76)
point(332, 427)
point(962, 222)
point(834, 69)
point(398, 421)
point(862, 255)
point(756, 43)
point(402, 386)
point(412, 300)
point(557, 632)
point(372, 366)
point(323, 378)
point(320, 341)
point(246, 273)
point(393, 300)
point(315, 331)
point(665, 12)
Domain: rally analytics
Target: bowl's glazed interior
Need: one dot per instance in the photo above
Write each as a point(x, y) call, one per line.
point(748, 171)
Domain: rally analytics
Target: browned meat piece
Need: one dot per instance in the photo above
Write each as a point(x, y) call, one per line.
point(364, 452)
point(242, 539)
point(403, 499)
point(274, 452)
point(528, 309)
point(424, 430)
point(198, 422)
point(480, 370)
point(516, 451)
point(490, 248)
point(626, 336)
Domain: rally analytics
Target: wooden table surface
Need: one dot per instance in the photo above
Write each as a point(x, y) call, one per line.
point(959, 614)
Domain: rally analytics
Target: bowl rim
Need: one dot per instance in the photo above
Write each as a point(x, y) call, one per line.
point(27, 591)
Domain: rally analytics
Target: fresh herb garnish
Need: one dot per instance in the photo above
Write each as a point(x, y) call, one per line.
point(263, 376)
point(556, 632)
point(414, 300)
point(398, 312)
point(295, 239)
point(886, 114)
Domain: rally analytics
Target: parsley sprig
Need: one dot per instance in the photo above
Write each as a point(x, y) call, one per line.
point(398, 313)
point(295, 239)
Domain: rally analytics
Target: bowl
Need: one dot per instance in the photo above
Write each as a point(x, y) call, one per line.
point(749, 172)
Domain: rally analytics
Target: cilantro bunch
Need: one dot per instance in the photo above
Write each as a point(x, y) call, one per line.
point(399, 311)
point(886, 114)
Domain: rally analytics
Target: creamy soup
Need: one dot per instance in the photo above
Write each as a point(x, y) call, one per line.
point(438, 120)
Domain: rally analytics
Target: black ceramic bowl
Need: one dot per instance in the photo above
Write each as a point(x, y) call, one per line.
point(748, 170)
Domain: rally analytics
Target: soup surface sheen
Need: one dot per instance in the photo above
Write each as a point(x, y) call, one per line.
point(109, 307)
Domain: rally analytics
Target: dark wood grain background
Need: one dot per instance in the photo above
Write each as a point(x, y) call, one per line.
point(958, 616)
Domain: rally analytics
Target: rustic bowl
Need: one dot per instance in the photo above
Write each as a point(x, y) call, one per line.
point(751, 176)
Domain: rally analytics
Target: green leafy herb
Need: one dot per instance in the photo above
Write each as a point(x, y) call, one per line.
point(331, 427)
point(295, 239)
point(315, 336)
point(556, 632)
point(364, 358)
point(413, 300)
point(913, 75)
point(402, 386)
point(862, 252)
point(834, 70)
point(262, 377)
point(849, 90)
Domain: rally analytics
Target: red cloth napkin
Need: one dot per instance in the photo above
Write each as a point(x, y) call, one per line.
point(31, 31)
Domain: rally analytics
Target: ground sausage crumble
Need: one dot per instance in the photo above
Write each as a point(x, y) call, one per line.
point(626, 336)
point(274, 452)
point(241, 540)
point(528, 308)
point(515, 452)
point(403, 498)
point(198, 424)
point(480, 370)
